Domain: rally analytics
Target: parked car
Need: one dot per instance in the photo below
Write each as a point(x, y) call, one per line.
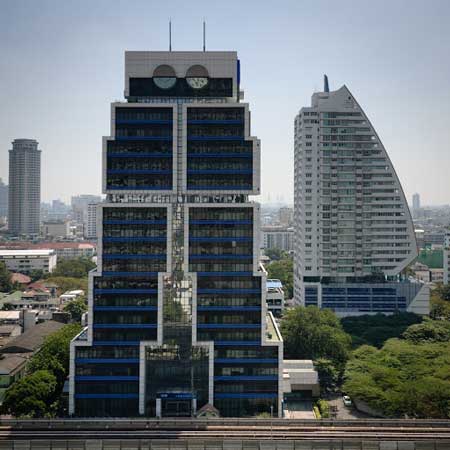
point(347, 400)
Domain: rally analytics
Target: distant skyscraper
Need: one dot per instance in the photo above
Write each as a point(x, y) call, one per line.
point(3, 199)
point(416, 202)
point(90, 231)
point(83, 213)
point(352, 220)
point(286, 216)
point(177, 312)
point(24, 187)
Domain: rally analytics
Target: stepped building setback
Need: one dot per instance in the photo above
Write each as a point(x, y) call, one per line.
point(354, 233)
point(177, 315)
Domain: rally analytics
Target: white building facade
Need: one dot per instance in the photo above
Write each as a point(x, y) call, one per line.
point(278, 237)
point(25, 261)
point(90, 231)
point(352, 221)
point(56, 229)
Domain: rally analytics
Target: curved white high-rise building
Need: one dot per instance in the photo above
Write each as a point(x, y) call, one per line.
point(353, 225)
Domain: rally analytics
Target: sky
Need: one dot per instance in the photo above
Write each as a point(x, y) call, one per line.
point(62, 64)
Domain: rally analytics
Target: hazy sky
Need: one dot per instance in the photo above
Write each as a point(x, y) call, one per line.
point(62, 63)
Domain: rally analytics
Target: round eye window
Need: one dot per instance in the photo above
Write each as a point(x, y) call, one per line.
point(165, 82)
point(197, 77)
point(197, 82)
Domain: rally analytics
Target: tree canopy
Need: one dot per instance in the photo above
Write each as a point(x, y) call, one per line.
point(73, 268)
point(38, 392)
point(5, 278)
point(283, 270)
point(440, 302)
point(32, 396)
point(407, 376)
point(54, 354)
point(313, 333)
point(275, 253)
point(69, 283)
point(377, 329)
point(76, 308)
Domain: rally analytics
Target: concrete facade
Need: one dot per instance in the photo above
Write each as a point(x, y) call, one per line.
point(3, 199)
point(280, 237)
point(25, 261)
point(352, 220)
point(24, 187)
point(56, 229)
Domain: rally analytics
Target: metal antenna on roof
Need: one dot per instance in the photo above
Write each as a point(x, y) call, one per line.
point(204, 35)
point(170, 35)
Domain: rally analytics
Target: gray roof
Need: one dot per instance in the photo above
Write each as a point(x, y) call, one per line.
point(32, 339)
point(8, 329)
point(11, 363)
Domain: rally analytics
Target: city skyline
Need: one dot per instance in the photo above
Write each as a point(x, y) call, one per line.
point(45, 75)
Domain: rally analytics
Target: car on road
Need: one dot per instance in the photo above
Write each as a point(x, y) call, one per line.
point(347, 400)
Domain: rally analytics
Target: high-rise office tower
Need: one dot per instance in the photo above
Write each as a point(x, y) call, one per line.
point(354, 233)
point(3, 199)
point(177, 316)
point(24, 187)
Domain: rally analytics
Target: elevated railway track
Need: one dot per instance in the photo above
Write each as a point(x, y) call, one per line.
point(225, 434)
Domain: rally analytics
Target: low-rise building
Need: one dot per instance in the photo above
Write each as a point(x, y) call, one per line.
point(9, 317)
point(18, 351)
point(25, 261)
point(280, 237)
point(71, 295)
point(437, 275)
point(31, 340)
point(63, 250)
point(56, 229)
point(300, 380)
point(12, 368)
point(275, 297)
point(21, 279)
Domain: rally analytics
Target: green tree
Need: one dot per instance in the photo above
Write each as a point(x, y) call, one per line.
point(283, 270)
point(377, 329)
point(74, 268)
point(5, 278)
point(407, 376)
point(440, 309)
point(442, 291)
point(54, 354)
point(440, 302)
point(7, 307)
point(312, 333)
point(32, 396)
point(275, 254)
point(69, 283)
point(36, 274)
point(428, 331)
point(76, 308)
point(329, 374)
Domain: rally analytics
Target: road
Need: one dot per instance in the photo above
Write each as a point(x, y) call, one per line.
point(345, 412)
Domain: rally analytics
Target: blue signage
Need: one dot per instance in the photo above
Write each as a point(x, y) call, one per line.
point(176, 395)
